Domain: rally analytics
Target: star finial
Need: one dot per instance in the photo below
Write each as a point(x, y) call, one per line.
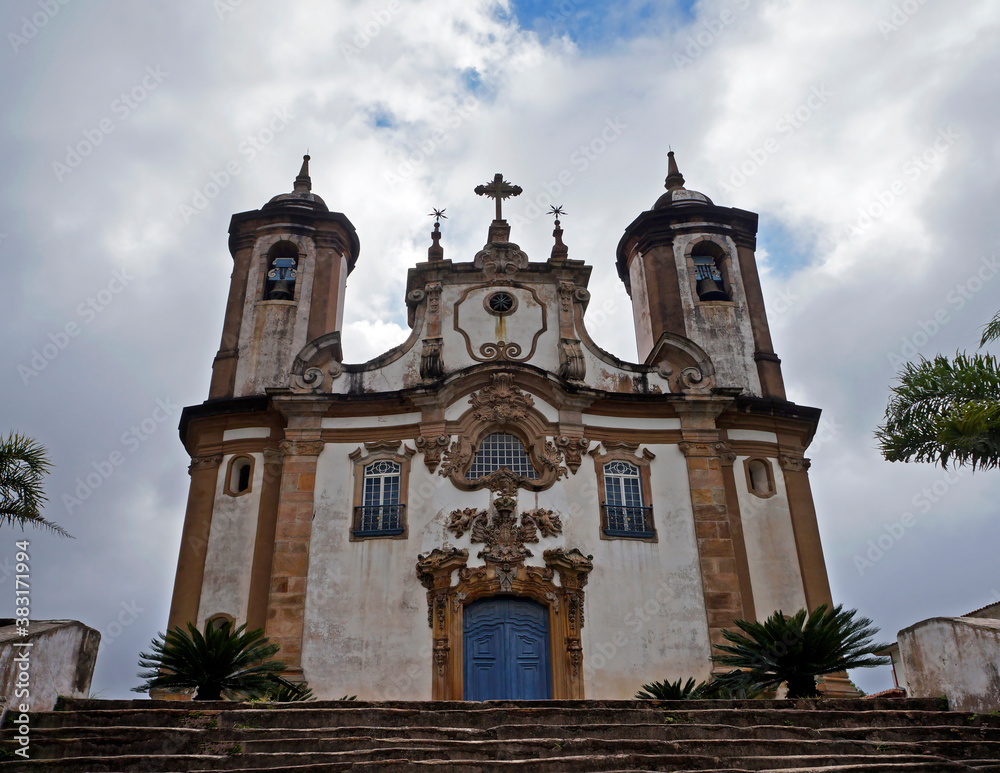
point(556, 211)
point(437, 214)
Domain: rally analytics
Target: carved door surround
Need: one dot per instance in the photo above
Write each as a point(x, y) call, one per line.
point(505, 573)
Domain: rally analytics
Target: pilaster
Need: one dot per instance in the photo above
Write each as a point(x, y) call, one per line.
point(293, 528)
point(706, 453)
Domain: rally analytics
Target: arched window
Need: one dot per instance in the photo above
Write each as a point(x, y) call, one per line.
point(710, 282)
point(501, 449)
point(625, 512)
point(381, 512)
point(282, 265)
point(240, 476)
point(760, 478)
point(215, 622)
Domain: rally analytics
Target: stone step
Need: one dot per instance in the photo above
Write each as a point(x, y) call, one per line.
point(482, 748)
point(403, 760)
point(311, 716)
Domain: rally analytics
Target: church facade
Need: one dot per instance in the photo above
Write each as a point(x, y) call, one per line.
point(497, 507)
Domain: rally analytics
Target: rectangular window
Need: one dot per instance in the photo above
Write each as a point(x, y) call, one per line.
point(624, 512)
point(381, 513)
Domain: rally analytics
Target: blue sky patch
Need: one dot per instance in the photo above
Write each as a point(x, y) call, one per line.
point(592, 24)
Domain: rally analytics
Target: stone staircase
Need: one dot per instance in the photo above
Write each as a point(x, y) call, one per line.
point(539, 736)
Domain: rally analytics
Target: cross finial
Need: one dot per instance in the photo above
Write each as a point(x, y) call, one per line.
point(499, 189)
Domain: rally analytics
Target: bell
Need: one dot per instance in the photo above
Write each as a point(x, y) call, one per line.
point(282, 291)
point(708, 290)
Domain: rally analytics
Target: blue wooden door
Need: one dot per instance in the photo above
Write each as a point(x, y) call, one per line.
point(505, 650)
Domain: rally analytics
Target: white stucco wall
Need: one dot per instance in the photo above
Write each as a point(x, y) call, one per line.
point(60, 661)
point(366, 629)
point(229, 560)
point(958, 657)
point(775, 577)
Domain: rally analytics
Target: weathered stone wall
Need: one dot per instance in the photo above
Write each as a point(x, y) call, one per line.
point(60, 661)
point(957, 657)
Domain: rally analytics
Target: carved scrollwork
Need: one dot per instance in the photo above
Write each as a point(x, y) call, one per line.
point(501, 350)
point(204, 462)
point(551, 459)
point(572, 365)
point(301, 447)
point(500, 260)
point(456, 457)
point(432, 449)
point(501, 402)
point(432, 359)
point(415, 296)
point(794, 463)
point(719, 449)
point(573, 449)
point(693, 380)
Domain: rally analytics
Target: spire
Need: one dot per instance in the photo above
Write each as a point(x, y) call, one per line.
point(436, 251)
point(560, 251)
point(303, 183)
point(674, 178)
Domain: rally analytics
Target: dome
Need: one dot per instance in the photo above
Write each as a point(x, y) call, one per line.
point(677, 195)
point(301, 195)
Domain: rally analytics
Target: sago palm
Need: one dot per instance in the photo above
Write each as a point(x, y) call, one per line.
point(24, 463)
point(946, 410)
point(795, 650)
point(220, 662)
point(671, 691)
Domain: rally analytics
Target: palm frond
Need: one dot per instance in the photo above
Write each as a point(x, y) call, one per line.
point(222, 661)
point(945, 411)
point(24, 463)
point(795, 649)
point(991, 331)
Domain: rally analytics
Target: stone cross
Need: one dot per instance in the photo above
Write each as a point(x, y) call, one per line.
point(499, 189)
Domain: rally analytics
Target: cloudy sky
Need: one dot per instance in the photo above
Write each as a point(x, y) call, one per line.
point(862, 131)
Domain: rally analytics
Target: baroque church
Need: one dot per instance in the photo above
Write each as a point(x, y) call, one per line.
point(497, 507)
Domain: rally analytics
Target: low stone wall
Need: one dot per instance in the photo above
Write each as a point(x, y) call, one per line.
point(958, 657)
point(55, 658)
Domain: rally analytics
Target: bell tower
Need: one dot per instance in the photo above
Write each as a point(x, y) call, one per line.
point(689, 268)
point(291, 259)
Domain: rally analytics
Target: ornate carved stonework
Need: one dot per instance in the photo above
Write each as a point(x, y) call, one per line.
point(204, 462)
point(564, 601)
point(301, 447)
point(455, 459)
point(716, 449)
point(500, 260)
point(551, 459)
point(501, 402)
point(504, 539)
point(548, 522)
point(432, 359)
point(460, 521)
point(794, 463)
point(432, 449)
point(572, 365)
point(573, 449)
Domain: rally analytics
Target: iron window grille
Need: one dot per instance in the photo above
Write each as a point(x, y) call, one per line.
point(624, 513)
point(501, 449)
point(381, 514)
